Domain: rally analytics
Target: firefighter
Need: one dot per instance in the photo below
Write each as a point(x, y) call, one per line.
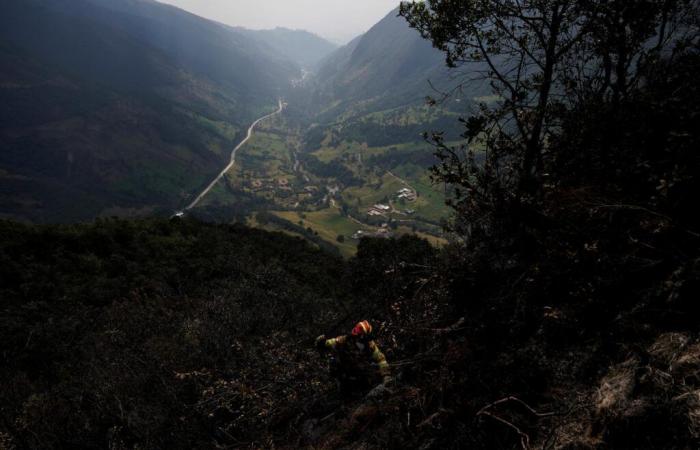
point(357, 362)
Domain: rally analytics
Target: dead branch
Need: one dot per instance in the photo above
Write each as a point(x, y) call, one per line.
point(520, 402)
point(524, 437)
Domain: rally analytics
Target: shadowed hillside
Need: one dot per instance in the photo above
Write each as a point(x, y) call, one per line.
point(121, 107)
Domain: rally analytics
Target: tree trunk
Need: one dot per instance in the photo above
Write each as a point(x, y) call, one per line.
point(532, 160)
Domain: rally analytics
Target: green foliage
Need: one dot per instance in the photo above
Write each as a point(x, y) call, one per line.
point(377, 134)
point(333, 169)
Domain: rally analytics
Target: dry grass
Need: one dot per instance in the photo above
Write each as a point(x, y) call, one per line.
point(658, 388)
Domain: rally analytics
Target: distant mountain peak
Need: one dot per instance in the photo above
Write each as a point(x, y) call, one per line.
point(301, 46)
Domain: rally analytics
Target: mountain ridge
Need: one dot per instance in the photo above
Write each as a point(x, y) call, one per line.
point(381, 66)
point(300, 46)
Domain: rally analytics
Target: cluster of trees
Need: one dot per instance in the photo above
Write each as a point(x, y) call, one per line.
point(377, 134)
point(242, 204)
point(394, 158)
point(573, 201)
point(314, 137)
point(582, 87)
point(331, 169)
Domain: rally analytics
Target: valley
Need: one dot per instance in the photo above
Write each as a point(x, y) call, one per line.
point(338, 192)
point(228, 167)
point(192, 123)
point(347, 158)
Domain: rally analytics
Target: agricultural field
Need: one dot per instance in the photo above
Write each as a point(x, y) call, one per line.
point(330, 225)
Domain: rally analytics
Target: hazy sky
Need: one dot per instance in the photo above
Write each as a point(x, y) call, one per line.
point(337, 20)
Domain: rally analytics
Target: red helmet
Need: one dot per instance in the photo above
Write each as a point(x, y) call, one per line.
point(362, 329)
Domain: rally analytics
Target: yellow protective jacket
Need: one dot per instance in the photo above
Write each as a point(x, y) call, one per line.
point(352, 358)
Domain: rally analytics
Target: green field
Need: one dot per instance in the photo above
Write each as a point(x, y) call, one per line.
point(329, 224)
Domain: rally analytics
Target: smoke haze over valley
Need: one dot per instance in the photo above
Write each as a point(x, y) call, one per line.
point(317, 16)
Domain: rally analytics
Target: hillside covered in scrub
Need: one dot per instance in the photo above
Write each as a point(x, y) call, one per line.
point(180, 334)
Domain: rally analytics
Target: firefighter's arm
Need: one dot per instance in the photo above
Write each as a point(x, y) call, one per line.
point(379, 358)
point(324, 344)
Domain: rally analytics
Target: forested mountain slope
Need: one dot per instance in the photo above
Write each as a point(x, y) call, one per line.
point(390, 64)
point(118, 106)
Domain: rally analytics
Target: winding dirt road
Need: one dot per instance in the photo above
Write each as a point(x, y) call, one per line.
point(232, 161)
